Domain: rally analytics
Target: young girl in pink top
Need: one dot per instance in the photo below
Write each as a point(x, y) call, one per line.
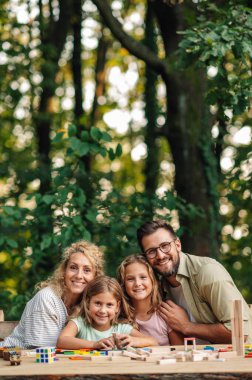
point(140, 287)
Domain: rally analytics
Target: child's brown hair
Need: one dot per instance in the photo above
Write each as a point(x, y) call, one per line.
point(103, 284)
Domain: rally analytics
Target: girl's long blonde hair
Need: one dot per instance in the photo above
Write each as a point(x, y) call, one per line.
point(104, 284)
point(92, 253)
point(121, 272)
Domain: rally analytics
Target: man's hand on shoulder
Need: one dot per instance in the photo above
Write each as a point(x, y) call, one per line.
point(175, 316)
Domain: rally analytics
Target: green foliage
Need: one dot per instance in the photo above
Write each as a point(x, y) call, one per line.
point(222, 39)
point(104, 204)
point(236, 249)
point(120, 216)
point(22, 243)
point(110, 221)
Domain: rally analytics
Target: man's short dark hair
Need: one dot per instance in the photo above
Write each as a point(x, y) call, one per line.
point(150, 227)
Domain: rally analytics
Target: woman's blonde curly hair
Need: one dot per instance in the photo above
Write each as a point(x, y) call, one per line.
point(90, 250)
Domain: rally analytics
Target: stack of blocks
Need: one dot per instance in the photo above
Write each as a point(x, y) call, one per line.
point(45, 355)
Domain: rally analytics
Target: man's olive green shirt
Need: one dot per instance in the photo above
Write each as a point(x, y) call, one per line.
point(208, 289)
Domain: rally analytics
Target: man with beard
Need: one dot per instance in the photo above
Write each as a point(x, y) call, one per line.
point(197, 290)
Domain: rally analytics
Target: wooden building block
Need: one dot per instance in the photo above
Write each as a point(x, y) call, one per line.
point(132, 349)
point(237, 327)
point(186, 340)
point(212, 357)
point(160, 350)
point(97, 359)
point(115, 353)
point(168, 357)
point(167, 361)
point(181, 359)
point(140, 351)
point(227, 354)
point(197, 357)
point(180, 356)
point(133, 355)
point(116, 340)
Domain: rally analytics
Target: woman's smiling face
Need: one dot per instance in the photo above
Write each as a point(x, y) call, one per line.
point(79, 272)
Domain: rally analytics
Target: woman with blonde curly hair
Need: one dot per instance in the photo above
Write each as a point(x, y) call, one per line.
point(46, 314)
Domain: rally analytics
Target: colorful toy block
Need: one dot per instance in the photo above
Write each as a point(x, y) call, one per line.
point(208, 348)
point(45, 355)
point(83, 352)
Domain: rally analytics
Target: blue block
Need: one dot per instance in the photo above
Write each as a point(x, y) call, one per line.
point(209, 348)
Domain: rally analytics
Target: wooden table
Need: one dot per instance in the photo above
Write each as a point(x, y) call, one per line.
point(67, 369)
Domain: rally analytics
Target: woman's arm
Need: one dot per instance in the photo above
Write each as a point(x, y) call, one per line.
point(68, 340)
point(41, 322)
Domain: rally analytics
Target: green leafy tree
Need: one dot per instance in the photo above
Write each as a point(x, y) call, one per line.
point(66, 175)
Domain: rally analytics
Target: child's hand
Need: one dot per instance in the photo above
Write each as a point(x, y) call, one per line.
point(104, 344)
point(125, 340)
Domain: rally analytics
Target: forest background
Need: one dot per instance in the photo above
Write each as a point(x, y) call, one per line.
point(115, 112)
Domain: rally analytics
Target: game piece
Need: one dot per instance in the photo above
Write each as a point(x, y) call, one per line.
point(132, 349)
point(160, 349)
point(193, 340)
point(227, 354)
point(140, 351)
point(45, 355)
point(133, 355)
point(197, 357)
point(116, 341)
point(115, 353)
point(166, 361)
point(237, 327)
point(15, 358)
point(208, 348)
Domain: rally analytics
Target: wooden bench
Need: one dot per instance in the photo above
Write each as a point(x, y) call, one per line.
point(6, 327)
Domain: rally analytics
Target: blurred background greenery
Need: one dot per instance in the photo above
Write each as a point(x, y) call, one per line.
point(115, 112)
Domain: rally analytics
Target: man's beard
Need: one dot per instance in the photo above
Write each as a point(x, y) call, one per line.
point(172, 272)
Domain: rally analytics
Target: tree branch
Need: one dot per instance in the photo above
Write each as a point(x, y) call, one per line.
point(134, 47)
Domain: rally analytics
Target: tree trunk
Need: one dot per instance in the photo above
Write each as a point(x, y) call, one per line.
point(53, 37)
point(187, 128)
point(100, 73)
point(188, 132)
point(151, 169)
point(77, 76)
